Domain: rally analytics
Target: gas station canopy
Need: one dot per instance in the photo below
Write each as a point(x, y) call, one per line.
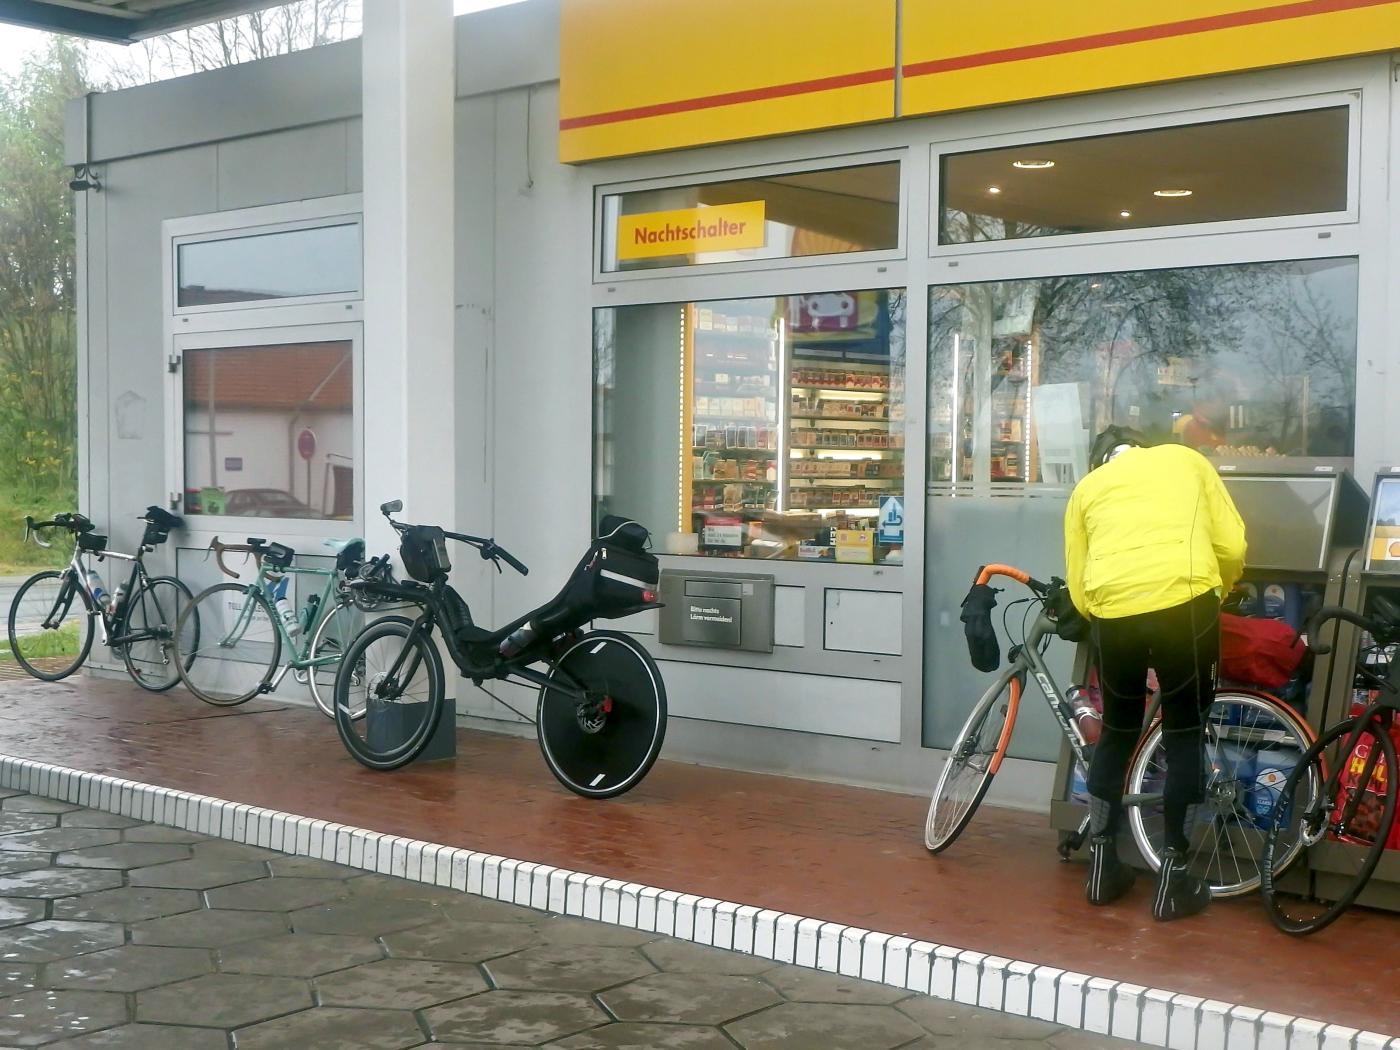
point(122, 21)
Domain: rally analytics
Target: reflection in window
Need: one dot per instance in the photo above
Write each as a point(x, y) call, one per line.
point(809, 213)
point(757, 428)
point(1283, 164)
point(323, 260)
point(269, 431)
point(1238, 361)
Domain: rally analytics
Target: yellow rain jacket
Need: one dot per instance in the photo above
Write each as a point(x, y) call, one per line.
point(1151, 529)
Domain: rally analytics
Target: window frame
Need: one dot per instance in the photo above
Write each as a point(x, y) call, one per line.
point(705, 176)
point(1126, 125)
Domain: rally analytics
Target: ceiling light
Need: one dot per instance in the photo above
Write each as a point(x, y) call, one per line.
point(1125, 214)
point(1032, 165)
point(1096, 284)
point(993, 189)
point(1171, 193)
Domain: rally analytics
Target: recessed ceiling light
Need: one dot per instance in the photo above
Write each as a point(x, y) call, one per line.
point(1096, 284)
point(1125, 214)
point(993, 189)
point(1172, 193)
point(1032, 165)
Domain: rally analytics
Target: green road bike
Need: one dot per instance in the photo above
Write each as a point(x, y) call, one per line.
point(236, 633)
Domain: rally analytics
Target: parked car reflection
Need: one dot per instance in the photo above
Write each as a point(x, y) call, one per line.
point(266, 503)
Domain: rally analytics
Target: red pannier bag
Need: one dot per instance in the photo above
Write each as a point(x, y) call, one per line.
point(1261, 652)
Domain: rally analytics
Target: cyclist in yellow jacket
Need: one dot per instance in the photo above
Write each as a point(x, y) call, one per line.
point(1153, 543)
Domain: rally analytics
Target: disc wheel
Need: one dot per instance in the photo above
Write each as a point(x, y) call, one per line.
point(50, 626)
point(972, 763)
point(388, 694)
point(229, 645)
point(155, 609)
point(1347, 826)
point(603, 744)
point(1251, 742)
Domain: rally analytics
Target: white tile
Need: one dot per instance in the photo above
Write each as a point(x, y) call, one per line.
point(920, 972)
point(723, 936)
point(785, 938)
point(611, 908)
point(1212, 1024)
point(388, 844)
point(744, 919)
point(427, 861)
point(1069, 1000)
point(1242, 1028)
point(1371, 1041)
point(765, 933)
point(967, 977)
point(593, 896)
point(703, 931)
point(685, 916)
point(628, 906)
point(897, 961)
point(526, 878)
point(1098, 1005)
point(829, 946)
point(1182, 1020)
point(872, 956)
point(666, 912)
point(476, 866)
point(558, 889)
point(1155, 1022)
point(848, 965)
point(574, 895)
point(505, 879)
point(1127, 1010)
point(944, 975)
point(1305, 1034)
point(443, 875)
point(991, 989)
point(490, 877)
point(1338, 1037)
point(808, 937)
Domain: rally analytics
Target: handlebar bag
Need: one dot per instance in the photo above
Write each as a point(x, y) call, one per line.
point(1261, 652)
point(982, 646)
point(92, 542)
point(277, 556)
point(423, 550)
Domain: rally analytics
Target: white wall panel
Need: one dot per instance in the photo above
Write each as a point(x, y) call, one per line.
point(864, 621)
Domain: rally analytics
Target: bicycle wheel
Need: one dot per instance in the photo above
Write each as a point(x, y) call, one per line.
point(229, 645)
point(50, 626)
point(602, 745)
point(1348, 845)
point(155, 609)
point(393, 678)
point(1252, 740)
point(335, 634)
point(972, 763)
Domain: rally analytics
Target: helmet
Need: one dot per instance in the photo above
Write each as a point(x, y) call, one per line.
point(1110, 440)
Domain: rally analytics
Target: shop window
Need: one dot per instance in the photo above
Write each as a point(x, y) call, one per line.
point(1248, 361)
point(269, 431)
point(288, 264)
point(809, 213)
point(770, 427)
point(1278, 165)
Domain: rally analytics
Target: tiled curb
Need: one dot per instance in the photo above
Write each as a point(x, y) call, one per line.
point(1075, 1000)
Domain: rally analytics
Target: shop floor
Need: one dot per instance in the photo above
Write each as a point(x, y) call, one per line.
point(836, 853)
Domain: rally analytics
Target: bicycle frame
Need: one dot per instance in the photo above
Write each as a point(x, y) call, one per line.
point(299, 658)
point(107, 622)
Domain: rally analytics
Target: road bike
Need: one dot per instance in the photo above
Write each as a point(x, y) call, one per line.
point(237, 632)
point(1242, 728)
point(1351, 818)
point(55, 613)
point(600, 716)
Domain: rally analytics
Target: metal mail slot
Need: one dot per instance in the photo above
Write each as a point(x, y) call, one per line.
point(717, 610)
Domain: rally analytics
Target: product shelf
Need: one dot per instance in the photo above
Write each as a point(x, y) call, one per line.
point(842, 448)
point(764, 453)
point(882, 420)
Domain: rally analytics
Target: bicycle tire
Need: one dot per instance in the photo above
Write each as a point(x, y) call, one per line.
point(142, 669)
point(1233, 867)
point(1318, 828)
point(51, 672)
point(604, 748)
point(210, 621)
point(364, 750)
point(322, 691)
point(941, 829)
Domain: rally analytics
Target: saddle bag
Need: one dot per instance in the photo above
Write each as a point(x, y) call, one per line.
point(616, 577)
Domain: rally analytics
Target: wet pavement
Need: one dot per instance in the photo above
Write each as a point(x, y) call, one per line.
point(126, 936)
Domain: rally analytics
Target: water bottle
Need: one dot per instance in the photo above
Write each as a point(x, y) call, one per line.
point(117, 597)
point(1084, 715)
point(95, 588)
point(285, 610)
point(518, 640)
point(309, 613)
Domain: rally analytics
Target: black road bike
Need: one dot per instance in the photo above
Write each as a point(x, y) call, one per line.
point(54, 613)
point(601, 711)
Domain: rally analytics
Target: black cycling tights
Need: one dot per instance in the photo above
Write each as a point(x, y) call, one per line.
point(1183, 645)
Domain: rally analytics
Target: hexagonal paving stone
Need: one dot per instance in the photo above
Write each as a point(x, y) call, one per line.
point(40, 1017)
point(223, 1000)
point(51, 883)
point(1072, 1040)
point(53, 840)
point(468, 907)
point(209, 928)
point(559, 929)
point(406, 984)
point(127, 904)
point(222, 849)
point(647, 1037)
point(46, 941)
point(122, 855)
point(18, 977)
point(310, 868)
point(691, 998)
point(286, 894)
point(158, 833)
point(941, 1017)
point(371, 916)
point(374, 885)
point(95, 818)
point(17, 910)
point(461, 941)
point(13, 823)
point(299, 954)
point(831, 1027)
point(36, 804)
point(151, 1037)
point(197, 874)
point(530, 1018)
point(13, 862)
point(328, 1028)
point(814, 986)
point(129, 968)
point(569, 968)
point(683, 957)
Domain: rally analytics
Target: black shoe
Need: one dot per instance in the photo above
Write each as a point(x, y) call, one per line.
point(1179, 893)
point(1109, 877)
